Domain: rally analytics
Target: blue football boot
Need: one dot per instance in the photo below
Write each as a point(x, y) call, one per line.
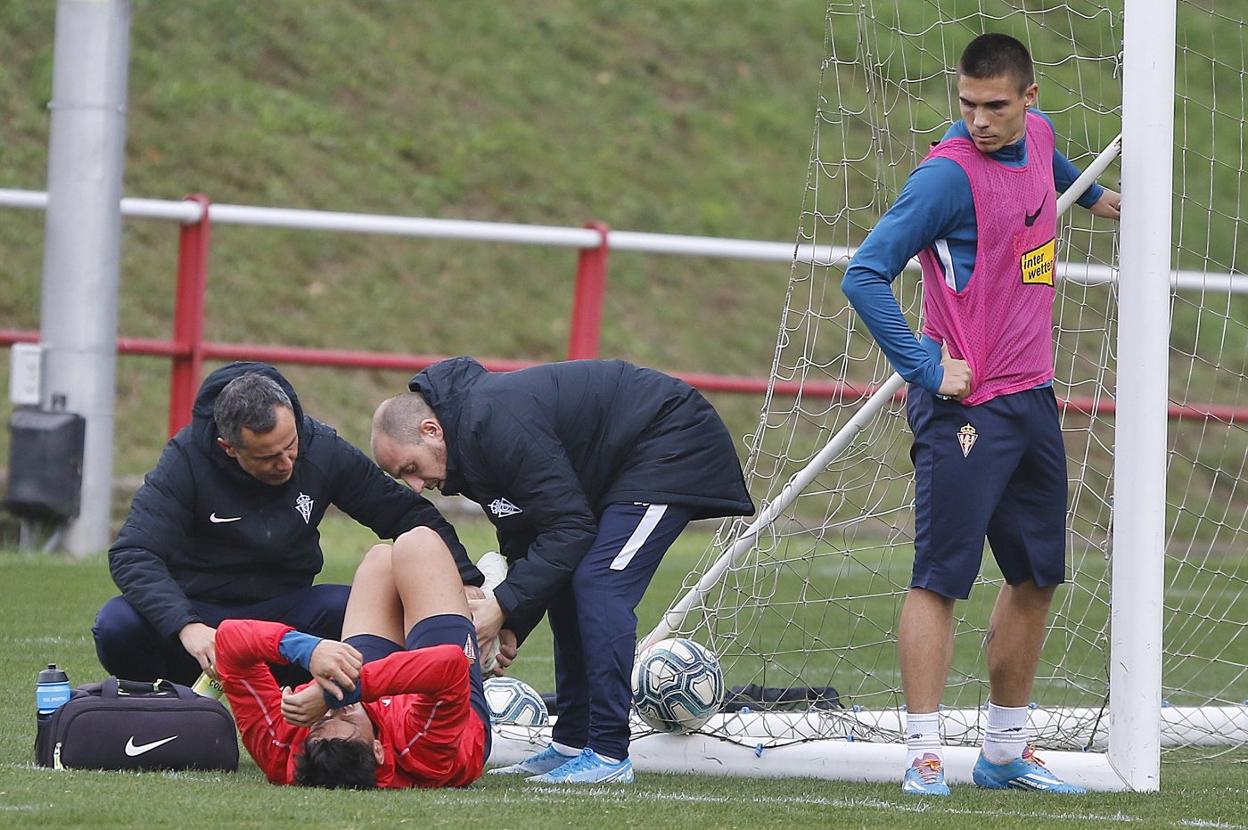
point(1025, 773)
point(926, 776)
point(544, 761)
point(588, 768)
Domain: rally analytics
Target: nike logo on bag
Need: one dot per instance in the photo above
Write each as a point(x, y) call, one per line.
point(1030, 219)
point(216, 520)
point(132, 749)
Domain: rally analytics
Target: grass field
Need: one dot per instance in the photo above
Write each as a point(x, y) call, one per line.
point(46, 615)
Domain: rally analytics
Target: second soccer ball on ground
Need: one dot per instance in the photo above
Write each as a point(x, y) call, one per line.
point(677, 685)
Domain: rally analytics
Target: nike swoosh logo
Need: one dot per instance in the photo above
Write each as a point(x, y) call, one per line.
point(1030, 219)
point(133, 750)
point(216, 520)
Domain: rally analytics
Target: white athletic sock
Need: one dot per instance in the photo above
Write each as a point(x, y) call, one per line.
point(1006, 735)
point(564, 749)
point(922, 736)
point(607, 758)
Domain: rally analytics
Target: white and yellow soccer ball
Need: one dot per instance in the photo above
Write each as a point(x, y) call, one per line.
point(677, 685)
point(513, 701)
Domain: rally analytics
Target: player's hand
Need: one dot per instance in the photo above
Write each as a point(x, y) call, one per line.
point(304, 707)
point(957, 381)
point(507, 649)
point(335, 666)
point(1109, 206)
point(200, 641)
point(473, 592)
point(487, 617)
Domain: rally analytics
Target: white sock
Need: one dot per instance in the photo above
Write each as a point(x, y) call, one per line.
point(922, 736)
point(564, 749)
point(1006, 735)
point(607, 758)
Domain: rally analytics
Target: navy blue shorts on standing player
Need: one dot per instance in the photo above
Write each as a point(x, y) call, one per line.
point(442, 629)
point(996, 470)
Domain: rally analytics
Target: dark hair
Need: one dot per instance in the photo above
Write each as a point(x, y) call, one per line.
point(993, 55)
point(337, 763)
point(248, 401)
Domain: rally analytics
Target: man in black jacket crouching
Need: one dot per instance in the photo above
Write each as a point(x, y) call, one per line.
point(589, 471)
point(226, 527)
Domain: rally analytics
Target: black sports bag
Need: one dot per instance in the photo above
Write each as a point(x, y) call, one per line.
point(123, 724)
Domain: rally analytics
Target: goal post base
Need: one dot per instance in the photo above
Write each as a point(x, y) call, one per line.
point(826, 759)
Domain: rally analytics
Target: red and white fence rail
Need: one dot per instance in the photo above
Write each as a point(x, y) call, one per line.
point(196, 214)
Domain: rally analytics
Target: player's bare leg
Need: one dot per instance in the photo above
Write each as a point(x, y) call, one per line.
point(1015, 638)
point(925, 647)
point(426, 577)
point(374, 606)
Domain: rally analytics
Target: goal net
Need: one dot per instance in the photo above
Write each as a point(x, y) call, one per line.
point(812, 599)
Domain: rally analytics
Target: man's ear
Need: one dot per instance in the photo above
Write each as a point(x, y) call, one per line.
point(430, 428)
point(225, 445)
point(1030, 94)
point(379, 752)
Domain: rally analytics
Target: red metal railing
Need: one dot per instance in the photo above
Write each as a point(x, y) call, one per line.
point(188, 350)
point(188, 315)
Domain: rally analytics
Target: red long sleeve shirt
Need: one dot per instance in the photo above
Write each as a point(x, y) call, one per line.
point(416, 700)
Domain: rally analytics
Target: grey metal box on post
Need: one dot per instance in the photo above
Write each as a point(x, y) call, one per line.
point(45, 464)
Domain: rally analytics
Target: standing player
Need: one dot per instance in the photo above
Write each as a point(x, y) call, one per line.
point(589, 470)
point(381, 716)
point(980, 213)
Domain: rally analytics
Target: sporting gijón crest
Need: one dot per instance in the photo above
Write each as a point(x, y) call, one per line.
point(304, 505)
point(967, 436)
point(502, 508)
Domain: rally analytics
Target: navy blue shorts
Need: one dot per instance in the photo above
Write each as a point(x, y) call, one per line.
point(997, 471)
point(442, 629)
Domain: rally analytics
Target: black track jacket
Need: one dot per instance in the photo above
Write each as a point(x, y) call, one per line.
point(544, 450)
point(202, 528)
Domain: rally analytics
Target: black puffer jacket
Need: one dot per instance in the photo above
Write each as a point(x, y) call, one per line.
point(202, 528)
point(544, 450)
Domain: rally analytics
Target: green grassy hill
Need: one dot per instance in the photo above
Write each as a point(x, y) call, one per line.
point(681, 117)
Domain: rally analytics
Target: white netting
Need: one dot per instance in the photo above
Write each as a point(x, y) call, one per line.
point(814, 602)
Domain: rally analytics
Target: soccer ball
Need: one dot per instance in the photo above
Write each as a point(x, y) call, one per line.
point(514, 701)
point(677, 685)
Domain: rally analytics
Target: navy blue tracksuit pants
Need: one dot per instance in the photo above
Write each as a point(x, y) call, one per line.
point(594, 623)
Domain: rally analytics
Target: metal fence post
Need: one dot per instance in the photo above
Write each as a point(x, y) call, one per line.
point(188, 315)
point(591, 285)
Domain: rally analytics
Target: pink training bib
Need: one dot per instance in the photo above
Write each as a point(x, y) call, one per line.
point(1001, 323)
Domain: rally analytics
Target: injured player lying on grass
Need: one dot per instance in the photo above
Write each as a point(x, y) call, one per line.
point(385, 710)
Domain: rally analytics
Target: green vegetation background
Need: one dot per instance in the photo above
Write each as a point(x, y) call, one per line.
point(674, 116)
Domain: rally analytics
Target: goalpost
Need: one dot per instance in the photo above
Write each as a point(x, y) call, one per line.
point(1148, 643)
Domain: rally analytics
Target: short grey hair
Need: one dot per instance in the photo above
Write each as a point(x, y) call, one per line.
point(248, 401)
point(399, 418)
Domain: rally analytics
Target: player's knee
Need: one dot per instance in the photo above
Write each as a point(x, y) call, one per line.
point(418, 545)
point(377, 561)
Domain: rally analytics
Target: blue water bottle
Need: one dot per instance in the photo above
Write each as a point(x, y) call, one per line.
point(51, 693)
